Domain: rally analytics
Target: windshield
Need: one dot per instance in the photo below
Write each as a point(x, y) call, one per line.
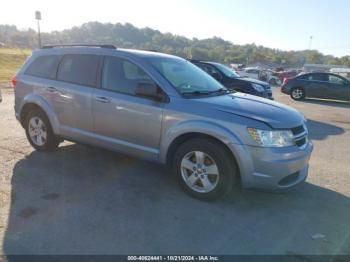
point(227, 71)
point(186, 77)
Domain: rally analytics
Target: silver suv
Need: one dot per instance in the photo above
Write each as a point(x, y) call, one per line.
point(161, 108)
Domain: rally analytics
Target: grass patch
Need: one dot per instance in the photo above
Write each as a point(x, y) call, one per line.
point(11, 59)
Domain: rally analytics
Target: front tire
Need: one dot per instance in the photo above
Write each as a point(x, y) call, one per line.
point(39, 131)
point(297, 93)
point(205, 169)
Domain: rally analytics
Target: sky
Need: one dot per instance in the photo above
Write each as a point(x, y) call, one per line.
point(282, 24)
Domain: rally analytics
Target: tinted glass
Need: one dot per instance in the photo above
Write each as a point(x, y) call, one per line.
point(79, 69)
point(44, 66)
point(252, 71)
point(227, 71)
point(122, 76)
point(335, 80)
point(185, 76)
point(209, 69)
point(317, 77)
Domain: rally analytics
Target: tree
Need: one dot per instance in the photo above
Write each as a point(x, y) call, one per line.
point(129, 36)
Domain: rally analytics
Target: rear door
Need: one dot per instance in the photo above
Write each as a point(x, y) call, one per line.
point(77, 78)
point(316, 85)
point(124, 121)
point(338, 88)
point(41, 76)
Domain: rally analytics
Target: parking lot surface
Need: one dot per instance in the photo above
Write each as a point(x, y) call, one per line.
point(83, 200)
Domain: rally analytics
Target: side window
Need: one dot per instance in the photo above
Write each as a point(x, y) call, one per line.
point(79, 69)
point(252, 71)
point(335, 80)
point(210, 70)
point(120, 75)
point(317, 77)
point(44, 66)
point(303, 77)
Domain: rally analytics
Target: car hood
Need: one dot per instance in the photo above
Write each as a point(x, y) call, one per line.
point(252, 80)
point(272, 113)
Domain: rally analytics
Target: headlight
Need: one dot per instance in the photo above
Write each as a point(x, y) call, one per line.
point(258, 87)
point(277, 138)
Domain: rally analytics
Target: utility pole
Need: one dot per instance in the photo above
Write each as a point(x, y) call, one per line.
point(310, 42)
point(38, 18)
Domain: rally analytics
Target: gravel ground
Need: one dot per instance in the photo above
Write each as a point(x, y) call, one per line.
point(83, 200)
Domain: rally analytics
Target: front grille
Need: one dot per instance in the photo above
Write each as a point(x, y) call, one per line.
point(300, 135)
point(301, 142)
point(298, 130)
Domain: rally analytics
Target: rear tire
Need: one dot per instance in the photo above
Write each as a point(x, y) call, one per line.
point(39, 131)
point(205, 169)
point(297, 93)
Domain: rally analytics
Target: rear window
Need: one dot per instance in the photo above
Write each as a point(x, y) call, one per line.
point(79, 69)
point(44, 66)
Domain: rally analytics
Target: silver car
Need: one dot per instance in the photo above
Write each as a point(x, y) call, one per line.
point(161, 108)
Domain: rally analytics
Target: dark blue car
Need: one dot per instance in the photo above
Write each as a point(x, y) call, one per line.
point(317, 85)
point(233, 81)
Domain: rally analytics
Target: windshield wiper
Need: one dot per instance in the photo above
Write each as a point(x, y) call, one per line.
point(196, 93)
point(221, 90)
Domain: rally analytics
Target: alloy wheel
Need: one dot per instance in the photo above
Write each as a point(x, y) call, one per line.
point(297, 93)
point(37, 131)
point(200, 172)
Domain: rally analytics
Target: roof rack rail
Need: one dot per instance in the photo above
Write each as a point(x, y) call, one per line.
point(77, 45)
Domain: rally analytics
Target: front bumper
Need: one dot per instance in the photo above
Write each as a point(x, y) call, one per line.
point(273, 169)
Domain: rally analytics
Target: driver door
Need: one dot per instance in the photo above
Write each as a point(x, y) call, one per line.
point(124, 121)
point(338, 88)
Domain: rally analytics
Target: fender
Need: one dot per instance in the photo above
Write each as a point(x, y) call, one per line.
point(195, 126)
point(45, 106)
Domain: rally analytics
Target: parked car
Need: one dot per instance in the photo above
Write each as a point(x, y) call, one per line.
point(165, 109)
point(265, 75)
point(345, 72)
point(287, 74)
point(233, 81)
point(317, 85)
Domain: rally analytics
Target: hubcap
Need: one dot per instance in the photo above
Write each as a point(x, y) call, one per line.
point(199, 171)
point(297, 93)
point(37, 131)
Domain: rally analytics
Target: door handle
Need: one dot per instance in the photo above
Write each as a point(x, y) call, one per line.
point(51, 89)
point(102, 99)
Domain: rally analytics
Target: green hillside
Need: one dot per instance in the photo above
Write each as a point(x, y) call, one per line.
point(11, 60)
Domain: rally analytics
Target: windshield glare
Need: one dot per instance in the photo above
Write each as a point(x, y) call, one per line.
point(227, 71)
point(184, 76)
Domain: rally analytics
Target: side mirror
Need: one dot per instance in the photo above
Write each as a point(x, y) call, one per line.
point(149, 90)
point(216, 75)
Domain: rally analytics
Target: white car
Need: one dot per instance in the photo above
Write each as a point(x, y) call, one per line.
point(260, 74)
point(250, 72)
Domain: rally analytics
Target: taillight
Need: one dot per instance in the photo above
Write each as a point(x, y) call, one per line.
point(13, 81)
point(285, 81)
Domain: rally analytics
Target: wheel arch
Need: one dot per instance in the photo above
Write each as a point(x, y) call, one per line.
point(300, 87)
point(35, 102)
point(185, 131)
point(183, 138)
